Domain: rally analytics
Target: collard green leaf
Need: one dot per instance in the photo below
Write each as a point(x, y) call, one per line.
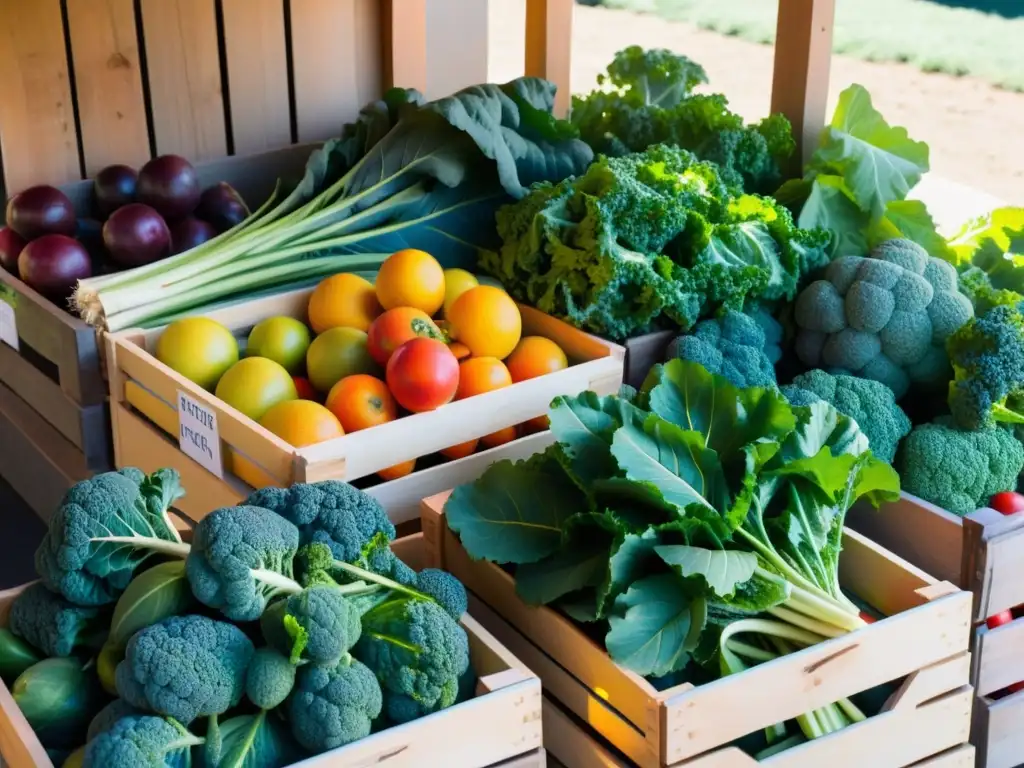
point(584, 426)
point(910, 219)
point(820, 425)
point(515, 513)
point(152, 596)
point(660, 624)
point(996, 228)
point(830, 205)
point(256, 741)
point(721, 570)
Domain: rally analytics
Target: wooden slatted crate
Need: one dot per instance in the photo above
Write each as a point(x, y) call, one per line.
point(500, 726)
point(983, 553)
point(923, 641)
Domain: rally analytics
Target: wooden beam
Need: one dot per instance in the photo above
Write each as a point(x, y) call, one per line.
point(404, 28)
point(549, 46)
point(803, 53)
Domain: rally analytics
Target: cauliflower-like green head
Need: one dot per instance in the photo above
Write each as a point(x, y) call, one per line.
point(269, 679)
point(333, 706)
point(141, 742)
point(319, 625)
point(733, 346)
point(53, 625)
point(885, 316)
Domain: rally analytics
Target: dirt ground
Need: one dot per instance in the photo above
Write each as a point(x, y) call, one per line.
point(975, 131)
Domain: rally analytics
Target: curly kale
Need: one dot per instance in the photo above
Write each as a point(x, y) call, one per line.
point(55, 626)
point(185, 667)
point(988, 362)
point(648, 239)
point(333, 706)
point(731, 346)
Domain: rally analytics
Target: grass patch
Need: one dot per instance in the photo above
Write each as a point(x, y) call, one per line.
point(933, 35)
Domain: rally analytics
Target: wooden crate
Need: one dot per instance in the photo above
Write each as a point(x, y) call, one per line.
point(254, 458)
point(500, 726)
point(924, 639)
point(643, 353)
point(983, 553)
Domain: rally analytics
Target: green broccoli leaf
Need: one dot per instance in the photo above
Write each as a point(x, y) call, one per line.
point(830, 205)
point(256, 741)
point(909, 219)
point(299, 637)
point(998, 227)
point(721, 570)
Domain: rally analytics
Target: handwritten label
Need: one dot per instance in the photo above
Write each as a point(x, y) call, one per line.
point(8, 324)
point(198, 437)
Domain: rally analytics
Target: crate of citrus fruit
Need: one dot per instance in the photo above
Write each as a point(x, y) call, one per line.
point(352, 380)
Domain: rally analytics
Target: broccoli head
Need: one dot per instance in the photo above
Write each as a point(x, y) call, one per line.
point(959, 470)
point(329, 512)
point(885, 316)
point(320, 624)
point(731, 346)
point(988, 364)
point(104, 528)
point(141, 742)
point(333, 706)
point(445, 589)
point(55, 626)
point(870, 403)
point(416, 650)
point(110, 714)
point(269, 679)
point(185, 667)
point(242, 557)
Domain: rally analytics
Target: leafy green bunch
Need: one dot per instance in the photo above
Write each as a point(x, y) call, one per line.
point(988, 252)
point(646, 97)
point(702, 522)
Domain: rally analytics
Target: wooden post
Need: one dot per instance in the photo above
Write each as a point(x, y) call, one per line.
point(803, 52)
point(549, 46)
point(404, 26)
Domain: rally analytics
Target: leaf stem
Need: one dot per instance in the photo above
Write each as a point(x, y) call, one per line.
point(164, 547)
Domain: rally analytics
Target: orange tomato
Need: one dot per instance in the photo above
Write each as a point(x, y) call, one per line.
point(536, 424)
point(343, 301)
point(361, 401)
point(397, 326)
point(460, 451)
point(481, 374)
point(301, 422)
point(486, 320)
point(423, 375)
point(461, 351)
point(305, 389)
point(398, 470)
point(502, 436)
point(535, 356)
point(411, 278)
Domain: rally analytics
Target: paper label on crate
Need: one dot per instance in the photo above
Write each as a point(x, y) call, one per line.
point(8, 324)
point(198, 437)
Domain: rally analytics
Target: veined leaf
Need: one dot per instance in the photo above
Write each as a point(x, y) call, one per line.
point(819, 425)
point(660, 625)
point(722, 570)
point(997, 227)
point(515, 513)
point(830, 205)
point(584, 426)
point(152, 596)
point(256, 741)
point(910, 219)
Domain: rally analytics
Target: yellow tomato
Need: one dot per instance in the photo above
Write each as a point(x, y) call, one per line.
point(411, 278)
point(199, 349)
point(343, 301)
point(486, 320)
point(456, 283)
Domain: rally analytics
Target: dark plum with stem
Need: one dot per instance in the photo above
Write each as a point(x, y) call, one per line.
point(11, 244)
point(136, 234)
point(39, 211)
point(114, 187)
point(169, 185)
point(190, 232)
point(222, 206)
point(53, 265)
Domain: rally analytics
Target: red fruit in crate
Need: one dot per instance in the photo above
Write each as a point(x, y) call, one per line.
point(39, 211)
point(114, 187)
point(1001, 618)
point(305, 389)
point(11, 244)
point(53, 264)
point(423, 375)
point(1007, 503)
point(397, 326)
point(170, 185)
point(867, 618)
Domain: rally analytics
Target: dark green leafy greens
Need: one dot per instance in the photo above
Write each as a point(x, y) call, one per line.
point(685, 518)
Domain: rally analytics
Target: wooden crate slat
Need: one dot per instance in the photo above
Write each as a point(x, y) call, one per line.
point(255, 48)
point(994, 561)
point(108, 83)
point(37, 123)
point(183, 64)
point(996, 731)
point(572, 746)
point(549, 46)
point(958, 757)
point(337, 55)
point(998, 657)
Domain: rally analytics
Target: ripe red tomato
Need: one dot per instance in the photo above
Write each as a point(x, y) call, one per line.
point(423, 374)
point(1001, 618)
point(1007, 503)
point(305, 389)
point(867, 618)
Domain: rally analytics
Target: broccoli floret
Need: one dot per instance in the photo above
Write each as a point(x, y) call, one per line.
point(772, 330)
point(320, 624)
point(333, 706)
point(417, 651)
point(988, 363)
point(731, 346)
point(185, 667)
point(330, 512)
point(141, 742)
point(110, 714)
point(885, 316)
point(447, 590)
point(269, 679)
point(959, 470)
point(55, 626)
point(870, 403)
point(241, 558)
point(104, 528)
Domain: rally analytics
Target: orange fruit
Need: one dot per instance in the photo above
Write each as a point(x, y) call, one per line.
point(536, 424)
point(502, 436)
point(302, 422)
point(361, 401)
point(460, 451)
point(486, 320)
point(411, 278)
point(481, 374)
point(343, 301)
point(535, 356)
point(397, 326)
point(461, 351)
point(398, 470)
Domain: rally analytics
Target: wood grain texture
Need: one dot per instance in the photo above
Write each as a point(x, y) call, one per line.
point(549, 46)
point(255, 47)
point(183, 62)
point(108, 83)
point(404, 40)
point(37, 121)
